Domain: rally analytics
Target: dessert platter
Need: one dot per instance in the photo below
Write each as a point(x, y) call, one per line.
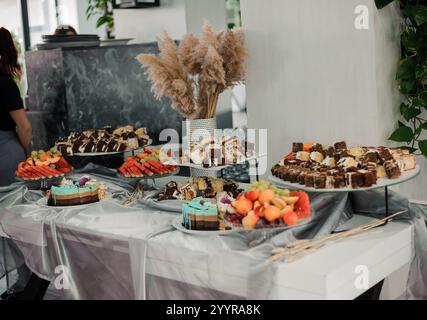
point(262, 207)
point(70, 193)
point(43, 167)
point(146, 165)
point(212, 154)
point(104, 141)
point(314, 167)
point(174, 194)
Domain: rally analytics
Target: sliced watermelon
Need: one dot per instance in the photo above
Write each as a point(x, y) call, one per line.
point(302, 207)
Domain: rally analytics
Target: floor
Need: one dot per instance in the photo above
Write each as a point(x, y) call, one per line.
point(51, 293)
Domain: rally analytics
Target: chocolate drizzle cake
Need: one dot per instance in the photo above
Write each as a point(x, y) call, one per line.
point(103, 140)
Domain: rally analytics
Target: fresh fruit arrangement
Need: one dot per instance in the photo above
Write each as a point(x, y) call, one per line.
point(145, 164)
point(43, 165)
point(265, 205)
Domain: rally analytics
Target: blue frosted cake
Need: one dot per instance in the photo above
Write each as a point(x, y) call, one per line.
point(76, 192)
point(200, 214)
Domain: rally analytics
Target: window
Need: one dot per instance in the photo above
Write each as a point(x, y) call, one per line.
point(42, 19)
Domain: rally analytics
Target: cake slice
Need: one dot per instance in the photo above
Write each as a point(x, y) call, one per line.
point(392, 169)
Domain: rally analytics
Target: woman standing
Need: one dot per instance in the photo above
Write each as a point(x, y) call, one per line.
point(15, 128)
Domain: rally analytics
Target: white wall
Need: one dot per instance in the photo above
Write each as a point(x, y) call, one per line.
point(144, 25)
point(313, 76)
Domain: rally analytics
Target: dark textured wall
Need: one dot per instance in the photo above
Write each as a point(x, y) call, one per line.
point(84, 88)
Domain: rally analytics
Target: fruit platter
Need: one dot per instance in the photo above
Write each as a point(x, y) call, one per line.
point(263, 206)
point(43, 165)
point(146, 165)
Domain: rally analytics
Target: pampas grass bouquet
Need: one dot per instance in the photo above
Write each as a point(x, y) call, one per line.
point(196, 72)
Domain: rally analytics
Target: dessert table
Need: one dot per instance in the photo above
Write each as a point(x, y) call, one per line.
point(111, 251)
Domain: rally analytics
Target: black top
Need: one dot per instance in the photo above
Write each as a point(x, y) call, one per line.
point(10, 100)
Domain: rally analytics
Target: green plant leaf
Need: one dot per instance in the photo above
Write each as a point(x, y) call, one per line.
point(102, 20)
point(409, 112)
point(424, 126)
point(420, 14)
point(406, 69)
point(410, 149)
point(409, 40)
point(407, 86)
point(382, 3)
point(402, 134)
point(423, 147)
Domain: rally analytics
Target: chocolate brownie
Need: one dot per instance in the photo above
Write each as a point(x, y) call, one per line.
point(340, 146)
point(392, 169)
point(309, 180)
point(320, 181)
point(297, 147)
point(385, 155)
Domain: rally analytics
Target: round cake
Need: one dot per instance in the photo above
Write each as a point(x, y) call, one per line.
point(76, 192)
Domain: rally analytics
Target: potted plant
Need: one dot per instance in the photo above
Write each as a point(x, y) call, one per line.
point(195, 73)
point(412, 75)
point(103, 9)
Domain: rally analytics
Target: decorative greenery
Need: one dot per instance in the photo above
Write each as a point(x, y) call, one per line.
point(233, 8)
point(412, 75)
point(103, 9)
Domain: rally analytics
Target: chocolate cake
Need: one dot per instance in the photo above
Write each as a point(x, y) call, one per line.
point(392, 169)
point(309, 180)
point(103, 140)
point(385, 155)
point(340, 146)
point(320, 181)
point(297, 147)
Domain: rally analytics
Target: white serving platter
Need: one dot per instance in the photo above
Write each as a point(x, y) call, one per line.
point(381, 183)
point(216, 169)
point(177, 224)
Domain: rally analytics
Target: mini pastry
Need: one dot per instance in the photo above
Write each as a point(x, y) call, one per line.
point(347, 162)
point(329, 162)
point(356, 152)
point(303, 156)
point(381, 172)
point(316, 156)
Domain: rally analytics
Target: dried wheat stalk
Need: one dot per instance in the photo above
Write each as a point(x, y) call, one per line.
point(302, 248)
point(194, 74)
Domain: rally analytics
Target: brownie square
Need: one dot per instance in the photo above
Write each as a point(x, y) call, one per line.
point(309, 180)
point(340, 146)
point(330, 152)
point(385, 155)
point(392, 169)
point(317, 147)
point(369, 178)
point(297, 147)
point(320, 181)
point(371, 156)
point(339, 181)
